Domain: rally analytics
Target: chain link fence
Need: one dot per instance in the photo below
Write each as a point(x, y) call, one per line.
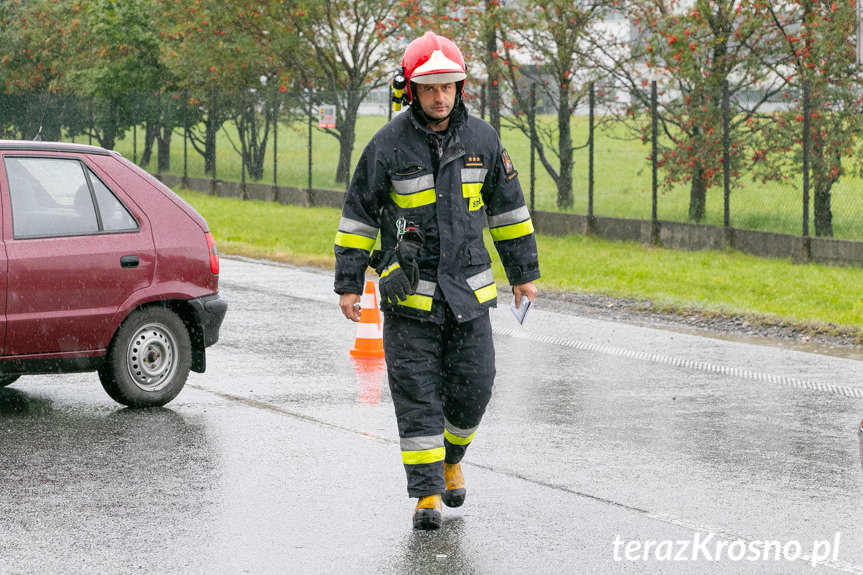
point(293, 139)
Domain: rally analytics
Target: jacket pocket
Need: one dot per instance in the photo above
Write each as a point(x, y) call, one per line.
point(477, 255)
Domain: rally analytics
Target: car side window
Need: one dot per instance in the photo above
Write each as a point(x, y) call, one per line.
point(52, 197)
point(115, 216)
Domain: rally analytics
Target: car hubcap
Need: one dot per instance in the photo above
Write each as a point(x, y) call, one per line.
point(150, 357)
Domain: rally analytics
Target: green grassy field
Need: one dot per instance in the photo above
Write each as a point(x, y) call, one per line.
point(622, 178)
point(811, 296)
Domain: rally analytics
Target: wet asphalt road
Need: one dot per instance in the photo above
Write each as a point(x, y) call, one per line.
point(283, 456)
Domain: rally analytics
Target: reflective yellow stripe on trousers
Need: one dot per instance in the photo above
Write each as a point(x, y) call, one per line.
point(457, 435)
point(420, 450)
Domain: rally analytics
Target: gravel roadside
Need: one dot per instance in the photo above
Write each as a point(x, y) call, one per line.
point(645, 313)
point(820, 337)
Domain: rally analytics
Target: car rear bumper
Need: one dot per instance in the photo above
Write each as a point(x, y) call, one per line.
point(211, 311)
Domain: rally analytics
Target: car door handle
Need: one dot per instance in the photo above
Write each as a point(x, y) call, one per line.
point(129, 262)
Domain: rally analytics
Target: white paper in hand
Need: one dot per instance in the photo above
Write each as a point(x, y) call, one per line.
point(520, 312)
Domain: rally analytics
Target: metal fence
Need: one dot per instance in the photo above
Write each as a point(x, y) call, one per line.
point(281, 138)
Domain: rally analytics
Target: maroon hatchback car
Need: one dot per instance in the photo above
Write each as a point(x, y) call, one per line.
point(102, 268)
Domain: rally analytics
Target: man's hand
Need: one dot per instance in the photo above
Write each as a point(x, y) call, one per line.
point(527, 289)
point(350, 304)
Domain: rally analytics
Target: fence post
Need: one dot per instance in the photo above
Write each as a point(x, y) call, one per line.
point(185, 139)
point(158, 130)
point(309, 191)
point(275, 136)
point(134, 130)
point(654, 212)
point(243, 151)
point(214, 119)
point(726, 163)
point(591, 218)
point(532, 120)
point(807, 146)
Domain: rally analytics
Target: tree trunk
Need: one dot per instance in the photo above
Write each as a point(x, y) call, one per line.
point(823, 211)
point(564, 138)
point(825, 173)
point(150, 132)
point(163, 158)
point(210, 143)
point(698, 195)
point(493, 77)
point(254, 143)
point(107, 136)
point(347, 136)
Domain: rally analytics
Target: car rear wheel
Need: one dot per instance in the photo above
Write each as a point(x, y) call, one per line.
point(8, 379)
point(148, 360)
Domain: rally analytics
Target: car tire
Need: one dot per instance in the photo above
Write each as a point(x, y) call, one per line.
point(8, 380)
point(148, 360)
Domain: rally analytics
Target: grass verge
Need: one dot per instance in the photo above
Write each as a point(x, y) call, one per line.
point(814, 298)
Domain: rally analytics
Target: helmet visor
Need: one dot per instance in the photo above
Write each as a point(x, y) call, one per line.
point(438, 69)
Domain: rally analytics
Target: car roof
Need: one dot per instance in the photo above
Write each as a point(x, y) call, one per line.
point(34, 146)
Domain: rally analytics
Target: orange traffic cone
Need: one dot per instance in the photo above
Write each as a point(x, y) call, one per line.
point(369, 341)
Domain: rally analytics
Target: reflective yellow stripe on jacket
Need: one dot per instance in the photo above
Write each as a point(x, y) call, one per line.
point(483, 285)
point(510, 225)
point(413, 193)
point(422, 298)
point(471, 186)
point(354, 234)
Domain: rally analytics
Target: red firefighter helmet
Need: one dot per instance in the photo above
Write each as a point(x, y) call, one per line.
point(433, 59)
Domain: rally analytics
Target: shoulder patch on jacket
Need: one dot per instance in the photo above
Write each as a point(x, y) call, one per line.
point(508, 168)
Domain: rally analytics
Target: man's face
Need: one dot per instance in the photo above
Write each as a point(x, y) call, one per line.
point(437, 100)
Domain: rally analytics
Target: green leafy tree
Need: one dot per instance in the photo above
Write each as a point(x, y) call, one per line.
point(234, 45)
point(115, 58)
point(36, 37)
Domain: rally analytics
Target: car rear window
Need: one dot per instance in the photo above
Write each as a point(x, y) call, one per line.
point(62, 197)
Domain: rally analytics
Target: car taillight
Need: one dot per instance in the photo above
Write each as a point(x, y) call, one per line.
point(214, 254)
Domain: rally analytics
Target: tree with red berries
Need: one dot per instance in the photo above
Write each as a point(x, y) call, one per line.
point(816, 56)
point(694, 52)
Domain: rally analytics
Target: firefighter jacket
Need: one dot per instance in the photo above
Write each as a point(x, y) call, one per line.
point(447, 184)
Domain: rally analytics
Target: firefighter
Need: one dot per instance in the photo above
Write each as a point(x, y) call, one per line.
point(428, 181)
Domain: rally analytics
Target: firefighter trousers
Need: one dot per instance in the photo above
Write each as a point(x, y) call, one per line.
point(440, 378)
